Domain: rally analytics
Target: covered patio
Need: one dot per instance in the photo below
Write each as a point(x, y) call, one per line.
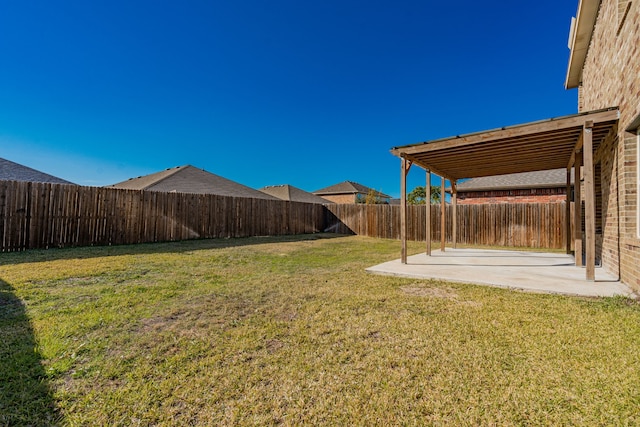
point(570, 142)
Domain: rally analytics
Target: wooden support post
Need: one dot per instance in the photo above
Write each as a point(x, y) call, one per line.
point(577, 211)
point(454, 213)
point(403, 210)
point(427, 202)
point(589, 202)
point(567, 217)
point(443, 215)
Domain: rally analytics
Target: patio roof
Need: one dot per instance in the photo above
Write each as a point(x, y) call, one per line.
point(535, 146)
point(569, 142)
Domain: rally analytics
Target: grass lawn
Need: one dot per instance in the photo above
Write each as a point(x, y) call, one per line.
point(292, 331)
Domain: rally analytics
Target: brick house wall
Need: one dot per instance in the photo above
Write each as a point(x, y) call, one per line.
point(340, 198)
point(611, 77)
point(532, 195)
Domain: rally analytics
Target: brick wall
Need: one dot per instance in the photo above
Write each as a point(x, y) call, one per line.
point(534, 195)
point(340, 198)
point(608, 246)
point(611, 77)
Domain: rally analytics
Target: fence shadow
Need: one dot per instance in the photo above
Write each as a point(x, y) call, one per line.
point(180, 246)
point(333, 224)
point(25, 395)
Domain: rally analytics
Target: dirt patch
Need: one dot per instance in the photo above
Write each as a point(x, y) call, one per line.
point(474, 304)
point(274, 345)
point(420, 290)
point(198, 315)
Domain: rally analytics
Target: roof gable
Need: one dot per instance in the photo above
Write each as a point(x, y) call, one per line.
point(12, 171)
point(189, 179)
point(146, 181)
point(348, 187)
point(293, 194)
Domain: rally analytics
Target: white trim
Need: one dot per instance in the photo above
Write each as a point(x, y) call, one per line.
point(580, 37)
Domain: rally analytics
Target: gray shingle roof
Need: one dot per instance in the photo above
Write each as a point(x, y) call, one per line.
point(347, 187)
point(294, 194)
point(189, 179)
point(541, 179)
point(11, 171)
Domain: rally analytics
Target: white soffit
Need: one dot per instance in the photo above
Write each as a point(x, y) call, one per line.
point(579, 39)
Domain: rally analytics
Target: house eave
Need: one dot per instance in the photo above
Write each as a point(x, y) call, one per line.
point(579, 40)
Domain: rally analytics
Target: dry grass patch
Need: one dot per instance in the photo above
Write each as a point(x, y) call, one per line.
point(421, 290)
point(291, 331)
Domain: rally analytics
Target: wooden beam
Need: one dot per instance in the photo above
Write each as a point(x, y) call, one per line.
point(508, 132)
point(444, 159)
point(454, 213)
point(572, 160)
point(427, 166)
point(577, 211)
point(525, 153)
point(536, 140)
point(487, 165)
point(518, 154)
point(427, 191)
point(589, 203)
point(564, 140)
point(509, 156)
point(443, 215)
point(404, 169)
point(568, 212)
point(576, 150)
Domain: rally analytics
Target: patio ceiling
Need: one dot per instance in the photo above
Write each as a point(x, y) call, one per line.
point(543, 145)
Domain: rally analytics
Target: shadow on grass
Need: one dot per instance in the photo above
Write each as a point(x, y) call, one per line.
point(25, 396)
point(39, 255)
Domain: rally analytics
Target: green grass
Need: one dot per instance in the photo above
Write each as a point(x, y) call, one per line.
point(293, 331)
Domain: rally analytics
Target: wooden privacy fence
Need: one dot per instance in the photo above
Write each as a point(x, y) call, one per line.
point(40, 215)
point(519, 225)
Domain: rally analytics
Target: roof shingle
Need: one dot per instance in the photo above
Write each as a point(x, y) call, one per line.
point(541, 179)
point(12, 171)
point(347, 187)
point(293, 194)
point(189, 179)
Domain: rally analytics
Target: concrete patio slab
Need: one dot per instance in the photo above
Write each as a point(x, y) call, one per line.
point(529, 271)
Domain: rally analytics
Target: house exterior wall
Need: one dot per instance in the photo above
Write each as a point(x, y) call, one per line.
point(607, 211)
point(533, 195)
point(340, 198)
point(611, 77)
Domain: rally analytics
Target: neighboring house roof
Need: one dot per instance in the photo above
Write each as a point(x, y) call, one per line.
point(11, 171)
point(347, 187)
point(293, 194)
point(189, 179)
point(541, 179)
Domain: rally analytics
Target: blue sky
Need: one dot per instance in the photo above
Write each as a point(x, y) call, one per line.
point(269, 92)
